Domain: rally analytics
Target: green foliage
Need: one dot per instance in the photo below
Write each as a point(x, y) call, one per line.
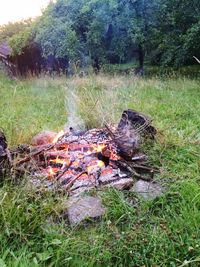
point(18, 35)
point(176, 35)
point(166, 32)
point(20, 40)
point(56, 38)
point(192, 40)
point(110, 29)
point(9, 30)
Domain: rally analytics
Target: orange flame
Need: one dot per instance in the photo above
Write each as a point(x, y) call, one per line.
point(51, 172)
point(61, 133)
point(100, 148)
point(59, 161)
point(96, 148)
point(95, 164)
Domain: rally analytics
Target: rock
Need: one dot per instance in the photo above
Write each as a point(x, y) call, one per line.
point(122, 184)
point(82, 208)
point(148, 190)
point(45, 137)
point(4, 159)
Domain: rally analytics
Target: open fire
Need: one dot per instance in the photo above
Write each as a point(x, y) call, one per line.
point(81, 160)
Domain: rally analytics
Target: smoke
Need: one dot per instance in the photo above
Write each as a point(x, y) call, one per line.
point(72, 100)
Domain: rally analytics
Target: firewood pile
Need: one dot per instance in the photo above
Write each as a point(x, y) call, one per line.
point(77, 161)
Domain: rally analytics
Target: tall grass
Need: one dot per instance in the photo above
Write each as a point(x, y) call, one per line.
point(160, 232)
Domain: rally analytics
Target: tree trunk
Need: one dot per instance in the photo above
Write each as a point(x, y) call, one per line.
point(96, 65)
point(141, 60)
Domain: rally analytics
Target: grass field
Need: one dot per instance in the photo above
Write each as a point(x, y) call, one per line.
point(161, 232)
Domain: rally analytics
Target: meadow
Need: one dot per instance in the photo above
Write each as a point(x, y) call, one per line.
point(160, 232)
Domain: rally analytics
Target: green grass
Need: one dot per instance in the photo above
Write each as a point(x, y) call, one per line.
point(161, 232)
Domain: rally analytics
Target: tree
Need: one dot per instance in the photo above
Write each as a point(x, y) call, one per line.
point(176, 35)
point(112, 31)
point(109, 31)
point(56, 38)
point(20, 40)
point(9, 30)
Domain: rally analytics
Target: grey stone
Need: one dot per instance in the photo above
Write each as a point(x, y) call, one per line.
point(148, 190)
point(122, 184)
point(82, 208)
point(45, 137)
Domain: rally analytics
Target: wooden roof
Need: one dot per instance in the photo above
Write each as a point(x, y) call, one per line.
point(5, 50)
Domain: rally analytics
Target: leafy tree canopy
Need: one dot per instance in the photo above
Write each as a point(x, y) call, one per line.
point(166, 32)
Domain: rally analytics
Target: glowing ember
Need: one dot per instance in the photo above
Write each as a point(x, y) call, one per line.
point(51, 172)
point(100, 164)
point(59, 161)
point(84, 159)
point(79, 160)
point(99, 148)
point(95, 165)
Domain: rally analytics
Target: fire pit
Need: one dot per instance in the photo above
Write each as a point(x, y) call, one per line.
point(80, 160)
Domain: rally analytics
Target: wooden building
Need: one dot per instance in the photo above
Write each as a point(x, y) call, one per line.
point(30, 61)
point(5, 58)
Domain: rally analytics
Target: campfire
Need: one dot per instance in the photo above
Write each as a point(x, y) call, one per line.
point(78, 161)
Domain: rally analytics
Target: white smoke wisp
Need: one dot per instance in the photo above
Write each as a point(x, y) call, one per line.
point(74, 120)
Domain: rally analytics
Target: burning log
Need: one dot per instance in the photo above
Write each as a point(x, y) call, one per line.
point(132, 126)
point(127, 141)
point(138, 122)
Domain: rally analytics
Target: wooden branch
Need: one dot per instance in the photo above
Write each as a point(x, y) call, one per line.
point(126, 166)
point(41, 150)
point(64, 171)
point(28, 158)
point(142, 167)
point(69, 185)
point(136, 158)
point(112, 135)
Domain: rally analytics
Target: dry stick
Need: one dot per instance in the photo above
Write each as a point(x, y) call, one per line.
point(74, 180)
point(112, 135)
point(138, 158)
point(110, 132)
point(142, 167)
point(133, 172)
point(127, 166)
point(28, 158)
point(44, 149)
